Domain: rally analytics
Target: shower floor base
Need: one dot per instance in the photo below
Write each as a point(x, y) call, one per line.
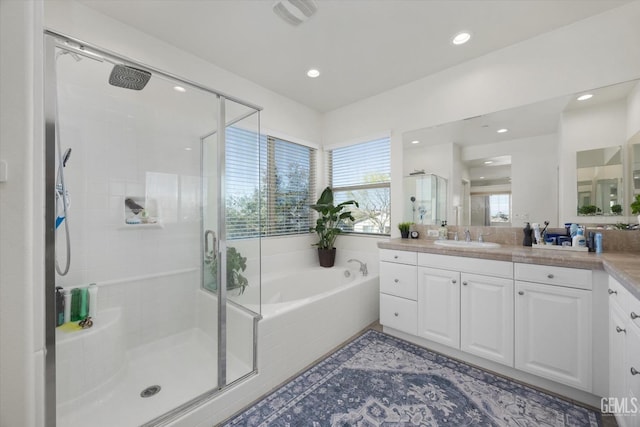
point(183, 365)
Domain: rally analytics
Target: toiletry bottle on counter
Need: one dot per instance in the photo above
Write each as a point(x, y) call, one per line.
point(579, 239)
point(598, 240)
point(528, 238)
point(93, 300)
point(443, 232)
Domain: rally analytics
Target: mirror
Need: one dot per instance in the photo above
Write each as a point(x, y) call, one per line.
point(600, 181)
point(519, 165)
point(635, 167)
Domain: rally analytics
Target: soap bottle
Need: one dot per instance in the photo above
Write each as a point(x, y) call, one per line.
point(528, 239)
point(443, 233)
point(579, 239)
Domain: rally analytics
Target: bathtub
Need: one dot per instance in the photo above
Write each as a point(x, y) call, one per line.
point(306, 314)
point(283, 292)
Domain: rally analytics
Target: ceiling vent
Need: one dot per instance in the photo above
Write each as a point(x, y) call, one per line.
point(295, 12)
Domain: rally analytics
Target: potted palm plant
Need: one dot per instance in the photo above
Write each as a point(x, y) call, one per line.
point(330, 217)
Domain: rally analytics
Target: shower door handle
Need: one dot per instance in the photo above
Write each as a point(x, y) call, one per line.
point(210, 254)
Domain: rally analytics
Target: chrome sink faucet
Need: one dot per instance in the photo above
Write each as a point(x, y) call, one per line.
point(467, 236)
point(363, 266)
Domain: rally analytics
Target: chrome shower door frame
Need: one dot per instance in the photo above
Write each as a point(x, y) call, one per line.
point(53, 40)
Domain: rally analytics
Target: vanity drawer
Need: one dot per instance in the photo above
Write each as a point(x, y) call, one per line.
point(400, 280)
point(552, 275)
point(486, 267)
point(399, 313)
point(402, 257)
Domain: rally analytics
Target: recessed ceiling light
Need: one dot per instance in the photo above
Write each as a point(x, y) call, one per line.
point(188, 149)
point(482, 177)
point(415, 142)
point(585, 97)
point(488, 162)
point(503, 130)
point(179, 89)
point(313, 73)
point(461, 38)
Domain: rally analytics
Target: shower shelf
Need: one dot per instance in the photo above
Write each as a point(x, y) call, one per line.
point(156, 225)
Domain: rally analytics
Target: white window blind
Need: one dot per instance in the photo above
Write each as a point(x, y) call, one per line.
point(269, 184)
point(362, 172)
point(242, 183)
point(291, 172)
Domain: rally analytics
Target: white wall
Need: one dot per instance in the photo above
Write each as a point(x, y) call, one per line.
point(21, 232)
point(600, 126)
point(541, 68)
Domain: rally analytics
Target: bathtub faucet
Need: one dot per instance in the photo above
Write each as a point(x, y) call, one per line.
point(363, 266)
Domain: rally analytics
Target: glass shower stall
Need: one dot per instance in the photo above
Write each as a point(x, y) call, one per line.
point(142, 322)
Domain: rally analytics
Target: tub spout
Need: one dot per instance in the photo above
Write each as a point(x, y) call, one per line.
point(363, 266)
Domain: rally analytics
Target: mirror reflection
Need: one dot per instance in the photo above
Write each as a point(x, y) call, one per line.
point(425, 198)
point(520, 165)
point(599, 175)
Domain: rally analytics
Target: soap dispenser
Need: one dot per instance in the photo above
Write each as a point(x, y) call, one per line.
point(579, 239)
point(528, 238)
point(443, 233)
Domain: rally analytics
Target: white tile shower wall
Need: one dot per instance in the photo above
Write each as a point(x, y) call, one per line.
point(152, 307)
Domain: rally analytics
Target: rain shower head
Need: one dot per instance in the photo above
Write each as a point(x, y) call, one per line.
point(129, 77)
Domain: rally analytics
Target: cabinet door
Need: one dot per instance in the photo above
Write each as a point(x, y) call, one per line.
point(553, 333)
point(486, 317)
point(632, 374)
point(617, 363)
point(439, 306)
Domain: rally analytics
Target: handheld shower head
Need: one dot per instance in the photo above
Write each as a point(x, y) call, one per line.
point(65, 157)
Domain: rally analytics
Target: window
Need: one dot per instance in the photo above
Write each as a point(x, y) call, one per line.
point(275, 199)
point(290, 181)
point(362, 172)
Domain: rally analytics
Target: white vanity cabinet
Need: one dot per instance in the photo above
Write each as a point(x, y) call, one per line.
point(553, 332)
point(398, 290)
point(467, 304)
point(624, 355)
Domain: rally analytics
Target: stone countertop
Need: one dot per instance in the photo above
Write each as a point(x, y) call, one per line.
point(624, 267)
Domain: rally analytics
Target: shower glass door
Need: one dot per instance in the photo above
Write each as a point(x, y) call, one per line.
point(148, 239)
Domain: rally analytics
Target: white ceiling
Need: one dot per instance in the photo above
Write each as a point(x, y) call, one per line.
point(362, 47)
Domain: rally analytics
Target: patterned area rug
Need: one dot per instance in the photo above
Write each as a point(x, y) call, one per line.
point(379, 380)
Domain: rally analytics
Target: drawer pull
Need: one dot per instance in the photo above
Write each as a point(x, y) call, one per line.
point(619, 329)
point(611, 291)
point(550, 276)
point(634, 371)
point(634, 316)
point(395, 314)
point(520, 292)
point(464, 283)
point(396, 280)
point(454, 281)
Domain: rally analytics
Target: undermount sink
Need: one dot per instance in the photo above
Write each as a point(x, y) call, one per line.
point(463, 244)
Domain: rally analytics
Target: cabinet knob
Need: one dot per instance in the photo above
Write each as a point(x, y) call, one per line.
point(634, 316)
point(395, 257)
point(520, 292)
point(611, 291)
point(396, 280)
point(454, 281)
point(550, 276)
point(634, 371)
point(619, 329)
point(395, 314)
point(464, 283)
